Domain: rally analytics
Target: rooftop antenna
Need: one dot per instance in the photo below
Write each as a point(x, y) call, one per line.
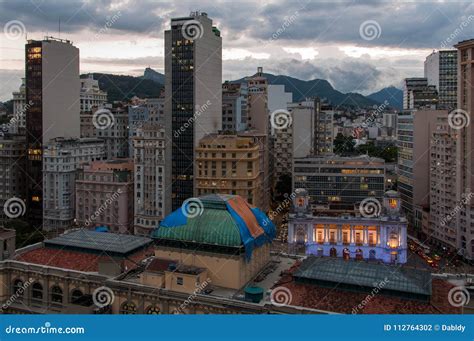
point(59, 28)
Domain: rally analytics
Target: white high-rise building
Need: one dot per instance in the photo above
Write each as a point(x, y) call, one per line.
point(150, 181)
point(91, 95)
point(441, 71)
point(60, 162)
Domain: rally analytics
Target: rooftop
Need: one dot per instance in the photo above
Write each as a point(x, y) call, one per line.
point(93, 241)
point(217, 220)
point(361, 274)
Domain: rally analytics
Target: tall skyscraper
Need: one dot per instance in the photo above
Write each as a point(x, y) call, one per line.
point(441, 71)
point(52, 92)
point(193, 96)
point(465, 146)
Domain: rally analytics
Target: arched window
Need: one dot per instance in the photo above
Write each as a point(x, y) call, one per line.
point(333, 252)
point(37, 291)
point(76, 295)
point(18, 287)
point(56, 294)
point(128, 308)
point(153, 310)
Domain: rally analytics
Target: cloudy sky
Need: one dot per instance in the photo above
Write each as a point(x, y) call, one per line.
point(356, 45)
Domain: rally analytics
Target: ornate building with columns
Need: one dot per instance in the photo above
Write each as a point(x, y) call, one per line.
point(379, 232)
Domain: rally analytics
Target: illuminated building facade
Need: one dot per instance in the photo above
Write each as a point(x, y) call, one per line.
point(380, 236)
point(339, 183)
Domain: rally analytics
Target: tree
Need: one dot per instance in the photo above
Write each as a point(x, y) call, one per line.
point(343, 145)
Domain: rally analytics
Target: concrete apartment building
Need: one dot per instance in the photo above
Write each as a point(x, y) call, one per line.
point(258, 116)
point(465, 146)
point(311, 133)
point(339, 183)
point(415, 137)
point(234, 106)
point(52, 92)
point(441, 227)
point(441, 71)
point(12, 169)
point(151, 111)
point(234, 164)
point(150, 187)
point(417, 93)
point(61, 159)
point(193, 97)
point(91, 95)
point(104, 192)
point(18, 123)
point(114, 132)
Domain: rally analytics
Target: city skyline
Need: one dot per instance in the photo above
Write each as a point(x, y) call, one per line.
point(181, 193)
point(356, 46)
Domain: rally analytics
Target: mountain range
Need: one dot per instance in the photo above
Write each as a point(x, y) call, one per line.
point(151, 83)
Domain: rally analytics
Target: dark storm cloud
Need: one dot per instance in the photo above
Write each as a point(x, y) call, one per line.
point(406, 24)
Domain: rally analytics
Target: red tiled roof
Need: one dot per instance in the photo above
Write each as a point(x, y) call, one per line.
point(346, 302)
point(74, 260)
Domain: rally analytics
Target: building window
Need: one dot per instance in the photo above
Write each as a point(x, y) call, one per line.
point(76, 295)
point(153, 310)
point(18, 288)
point(37, 292)
point(56, 294)
point(128, 308)
point(179, 280)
